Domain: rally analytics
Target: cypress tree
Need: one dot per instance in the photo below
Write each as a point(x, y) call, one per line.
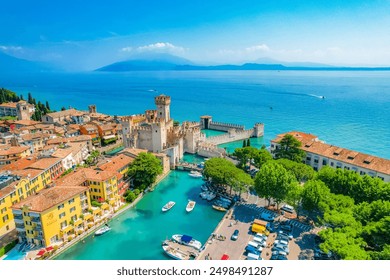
point(244, 144)
point(248, 142)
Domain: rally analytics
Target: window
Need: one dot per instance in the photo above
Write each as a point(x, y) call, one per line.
point(346, 167)
point(60, 206)
point(64, 224)
point(3, 210)
point(316, 161)
point(62, 215)
point(5, 218)
point(362, 173)
point(73, 209)
point(331, 164)
point(71, 201)
point(381, 178)
point(308, 158)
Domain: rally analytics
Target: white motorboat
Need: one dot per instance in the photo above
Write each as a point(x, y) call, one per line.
point(190, 205)
point(102, 230)
point(177, 254)
point(187, 240)
point(195, 174)
point(168, 206)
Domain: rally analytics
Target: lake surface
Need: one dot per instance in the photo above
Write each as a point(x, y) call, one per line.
point(355, 113)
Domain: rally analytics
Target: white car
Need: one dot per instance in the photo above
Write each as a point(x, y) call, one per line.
point(279, 252)
point(260, 241)
point(287, 208)
point(255, 245)
point(282, 242)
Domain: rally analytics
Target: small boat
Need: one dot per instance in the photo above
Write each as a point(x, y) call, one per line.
point(102, 230)
point(177, 254)
point(195, 174)
point(190, 205)
point(219, 208)
point(204, 188)
point(187, 240)
point(168, 206)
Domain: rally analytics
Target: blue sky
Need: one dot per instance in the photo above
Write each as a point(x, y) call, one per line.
point(78, 36)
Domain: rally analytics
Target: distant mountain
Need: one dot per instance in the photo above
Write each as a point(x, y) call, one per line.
point(12, 64)
point(147, 62)
point(164, 62)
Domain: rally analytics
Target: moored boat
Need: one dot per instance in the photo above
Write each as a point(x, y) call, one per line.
point(168, 206)
point(195, 174)
point(187, 240)
point(219, 208)
point(102, 230)
point(176, 253)
point(190, 205)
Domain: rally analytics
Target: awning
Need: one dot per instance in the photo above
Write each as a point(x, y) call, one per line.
point(186, 238)
point(49, 248)
point(78, 222)
point(105, 206)
point(41, 252)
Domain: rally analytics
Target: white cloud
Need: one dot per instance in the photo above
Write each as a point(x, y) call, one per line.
point(165, 47)
point(258, 48)
point(11, 48)
point(126, 49)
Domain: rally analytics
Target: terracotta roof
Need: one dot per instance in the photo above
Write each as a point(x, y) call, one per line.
point(44, 163)
point(8, 189)
point(50, 197)
point(84, 174)
point(61, 153)
point(133, 152)
point(32, 136)
point(20, 164)
point(13, 150)
point(26, 122)
point(8, 104)
point(107, 126)
point(73, 148)
point(302, 137)
point(311, 144)
point(69, 112)
point(116, 163)
point(31, 173)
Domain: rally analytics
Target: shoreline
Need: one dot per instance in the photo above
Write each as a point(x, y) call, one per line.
point(95, 227)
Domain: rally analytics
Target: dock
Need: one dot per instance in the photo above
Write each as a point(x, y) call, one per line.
point(187, 166)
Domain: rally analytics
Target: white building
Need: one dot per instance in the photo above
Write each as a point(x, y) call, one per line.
point(319, 154)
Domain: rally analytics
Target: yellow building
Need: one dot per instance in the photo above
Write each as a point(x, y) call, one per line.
point(103, 185)
point(15, 186)
point(52, 216)
point(12, 190)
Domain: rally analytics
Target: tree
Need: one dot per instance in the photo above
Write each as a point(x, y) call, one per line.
point(289, 148)
point(248, 142)
point(47, 106)
point(262, 156)
point(244, 155)
point(314, 195)
point(29, 98)
point(144, 170)
point(273, 181)
point(301, 171)
point(294, 196)
point(220, 171)
point(243, 143)
point(131, 197)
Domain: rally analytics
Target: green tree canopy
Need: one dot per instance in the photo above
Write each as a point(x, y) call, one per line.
point(144, 170)
point(301, 171)
point(223, 172)
point(289, 148)
point(273, 181)
point(315, 195)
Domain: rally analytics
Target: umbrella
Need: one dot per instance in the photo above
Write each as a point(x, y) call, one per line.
point(49, 248)
point(41, 252)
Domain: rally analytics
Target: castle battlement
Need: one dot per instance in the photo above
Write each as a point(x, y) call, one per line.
point(162, 100)
point(141, 128)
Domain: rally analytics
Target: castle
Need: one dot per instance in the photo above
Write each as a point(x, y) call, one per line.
point(156, 132)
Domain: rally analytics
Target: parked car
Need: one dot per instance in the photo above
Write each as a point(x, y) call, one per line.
point(287, 208)
point(282, 233)
point(253, 250)
point(235, 235)
point(282, 237)
point(279, 253)
point(279, 241)
point(278, 258)
point(260, 241)
point(281, 247)
point(255, 245)
point(286, 227)
point(252, 256)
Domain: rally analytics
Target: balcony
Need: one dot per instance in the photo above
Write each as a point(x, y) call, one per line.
point(36, 220)
point(18, 217)
point(19, 226)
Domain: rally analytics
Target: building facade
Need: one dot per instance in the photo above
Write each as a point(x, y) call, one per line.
point(320, 154)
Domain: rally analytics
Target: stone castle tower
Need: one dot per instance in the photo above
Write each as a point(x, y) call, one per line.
point(163, 103)
point(92, 108)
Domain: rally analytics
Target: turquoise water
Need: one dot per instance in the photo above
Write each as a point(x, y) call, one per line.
point(210, 132)
point(139, 232)
point(14, 254)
